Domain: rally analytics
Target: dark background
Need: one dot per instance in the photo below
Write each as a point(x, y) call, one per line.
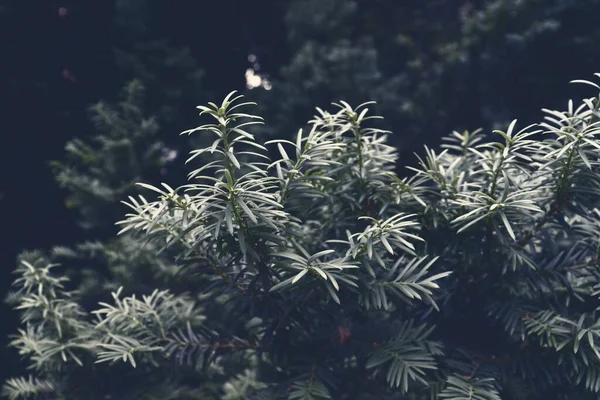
point(433, 66)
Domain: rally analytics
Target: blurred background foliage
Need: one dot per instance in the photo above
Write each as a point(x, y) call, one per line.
point(74, 73)
point(432, 66)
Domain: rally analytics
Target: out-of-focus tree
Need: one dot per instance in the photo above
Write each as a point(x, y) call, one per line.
point(170, 73)
point(430, 65)
point(98, 173)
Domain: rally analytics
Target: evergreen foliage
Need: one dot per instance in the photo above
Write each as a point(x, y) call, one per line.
point(168, 70)
point(323, 275)
point(104, 169)
point(432, 66)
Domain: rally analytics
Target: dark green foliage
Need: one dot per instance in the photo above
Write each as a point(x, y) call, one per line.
point(170, 73)
point(323, 275)
point(101, 171)
point(432, 66)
